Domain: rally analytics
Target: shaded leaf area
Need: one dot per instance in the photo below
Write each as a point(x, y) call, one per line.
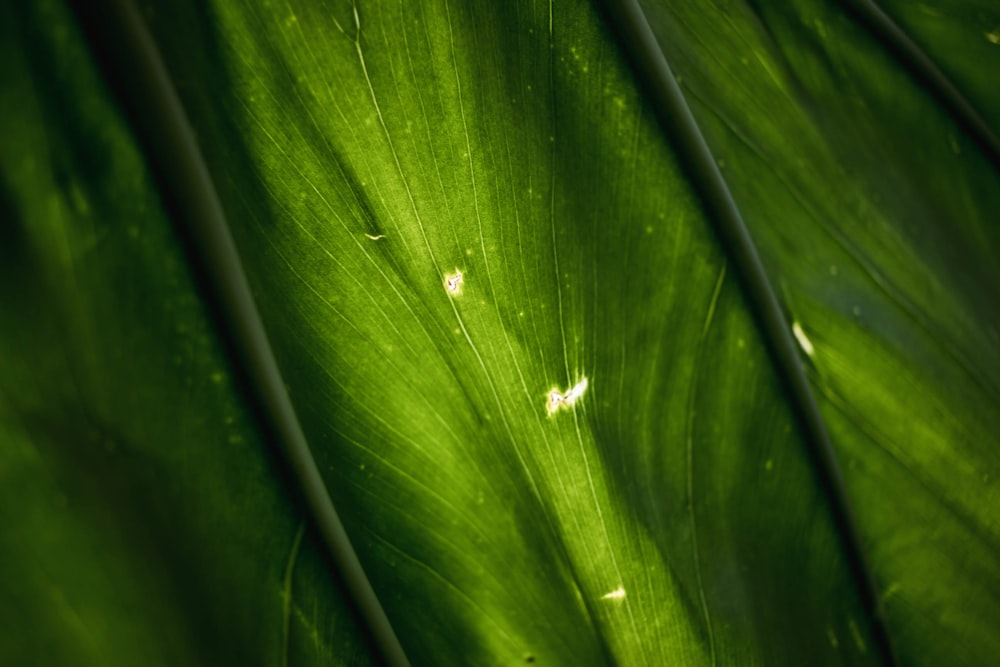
point(963, 38)
point(144, 520)
point(876, 215)
point(367, 155)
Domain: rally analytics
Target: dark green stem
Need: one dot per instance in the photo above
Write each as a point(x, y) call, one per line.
point(673, 113)
point(139, 77)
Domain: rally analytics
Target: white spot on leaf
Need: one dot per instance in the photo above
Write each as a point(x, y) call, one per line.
point(617, 594)
point(453, 283)
point(804, 341)
point(557, 400)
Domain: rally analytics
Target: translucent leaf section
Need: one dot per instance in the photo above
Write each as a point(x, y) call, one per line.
point(538, 395)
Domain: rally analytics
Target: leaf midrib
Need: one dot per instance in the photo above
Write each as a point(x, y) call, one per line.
point(675, 116)
point(139, 80)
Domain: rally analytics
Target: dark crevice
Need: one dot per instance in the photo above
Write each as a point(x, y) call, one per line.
point(667, 100)
point(131, 62)
point(888, 33)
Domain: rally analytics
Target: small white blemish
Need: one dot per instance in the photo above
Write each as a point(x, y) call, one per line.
point(558, 400)
point(555, 401)
point(378, 237)
point(617, 594)
point(804, 341)
point(453, 283)
point(576, 392)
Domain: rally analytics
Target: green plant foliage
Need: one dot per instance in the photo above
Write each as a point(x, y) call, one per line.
point(525, 364)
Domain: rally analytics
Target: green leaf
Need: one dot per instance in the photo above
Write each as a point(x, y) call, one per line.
point(595, 446)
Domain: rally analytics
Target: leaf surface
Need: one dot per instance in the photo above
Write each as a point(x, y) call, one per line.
point(522, 358)
point(875, 212)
